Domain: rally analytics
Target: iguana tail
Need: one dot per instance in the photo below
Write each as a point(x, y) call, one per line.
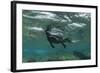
point(67, 40)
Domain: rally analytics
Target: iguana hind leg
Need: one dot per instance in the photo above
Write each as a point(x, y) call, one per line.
point(63, 45)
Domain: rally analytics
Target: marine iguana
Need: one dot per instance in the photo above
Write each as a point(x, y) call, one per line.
point(56, 36)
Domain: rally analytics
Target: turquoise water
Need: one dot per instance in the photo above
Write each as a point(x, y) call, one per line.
point(74, 25)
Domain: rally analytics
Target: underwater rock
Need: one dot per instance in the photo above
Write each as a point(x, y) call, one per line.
point(55, 59)
point(31, 60)
point(81, 55)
